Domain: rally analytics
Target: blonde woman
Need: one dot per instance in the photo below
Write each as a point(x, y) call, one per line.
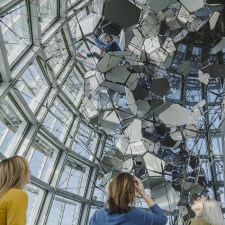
point(207, 211)
point(120, 207)
point(14, 175)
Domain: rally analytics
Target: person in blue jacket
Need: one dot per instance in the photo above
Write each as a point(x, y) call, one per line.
point(109, 46)
point(120, 206)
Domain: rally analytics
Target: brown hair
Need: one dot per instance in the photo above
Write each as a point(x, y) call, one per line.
point(14, 173)
point(121, 193)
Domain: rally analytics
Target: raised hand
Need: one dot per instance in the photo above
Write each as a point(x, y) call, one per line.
point(139, 186)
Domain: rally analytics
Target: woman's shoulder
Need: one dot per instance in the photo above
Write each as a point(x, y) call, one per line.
point(137, 211)
point(198, 221)
point(16, 192)
point(13, 195)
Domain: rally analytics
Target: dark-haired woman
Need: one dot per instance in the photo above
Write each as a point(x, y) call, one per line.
point(120, 206)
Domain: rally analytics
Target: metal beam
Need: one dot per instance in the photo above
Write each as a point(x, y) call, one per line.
point(223, 141)
point(4, 68)
point(50, 137)
point(47, 203)
point(35, 25)
point(210, 147)
point(85, 210)
point(25, 109)
point(71, 196)
point(69, 103)
point(41, 184)
point(90, 187)
point(63, 9)
point(9, 5)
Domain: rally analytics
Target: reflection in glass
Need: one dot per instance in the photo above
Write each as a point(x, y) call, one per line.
point(32, 85)
point(56, 52)
point(4, 2)
point(15, 30)
point(48, 12)
point(9, 123)
point(73, 87)
point(64, 211)
point(72, 2)
point(41, 157)
point(58, 120)
point(35, 195)
point(85, 141)
point(74, 177)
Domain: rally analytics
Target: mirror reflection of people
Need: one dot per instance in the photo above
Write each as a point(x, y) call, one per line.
point(14, 175)
point(144, 81)
point(207, 211)
point(109, 46)
point(109, 42)
point(120, 206)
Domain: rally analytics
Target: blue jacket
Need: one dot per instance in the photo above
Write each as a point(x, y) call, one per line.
point(107, 45)
point(135, 216)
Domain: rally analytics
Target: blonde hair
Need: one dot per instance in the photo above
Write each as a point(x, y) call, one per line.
point(212, 212)
point(14, 173)
point(121, 193)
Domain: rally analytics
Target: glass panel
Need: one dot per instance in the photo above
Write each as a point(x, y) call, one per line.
point(219, 170)
point(72, 2)
point(201, 122)
point(56, 52)
point(85, 141)
point(222, 196)
point(15, 31)
point(41, 157)
point(179, 56)
point(32, 85)
point(214, 116)
point(109, 144)
point(92, 210)
point(48, 12)
point(73, 87)
point(196, 59)
point(217, 145)
point(6, 136)
point(206, 168)
point(58, 120)
point(73, 22)
point(175, 90)
point(64, 212)
point(35, 195)
point(213, 95)
point(99, 191)
point(198, 146)
point(194, 93)
point(4, 2)
point(74, 177)
point(9, 123)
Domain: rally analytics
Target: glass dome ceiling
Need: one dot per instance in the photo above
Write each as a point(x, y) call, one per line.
point(80, 121)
